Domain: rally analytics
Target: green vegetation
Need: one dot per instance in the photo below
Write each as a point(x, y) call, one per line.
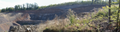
point(90, 23)
point(71, 16)
point(104, 12)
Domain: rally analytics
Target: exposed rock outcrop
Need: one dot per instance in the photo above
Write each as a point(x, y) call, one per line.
point(24, 28)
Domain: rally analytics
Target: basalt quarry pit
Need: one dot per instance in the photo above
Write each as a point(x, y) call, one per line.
point(38, 20)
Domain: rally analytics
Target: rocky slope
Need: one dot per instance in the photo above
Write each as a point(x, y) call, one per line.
point(9, 19)
point(6, 20)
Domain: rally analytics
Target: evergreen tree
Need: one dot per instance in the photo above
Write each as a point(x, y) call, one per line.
point(3, 10)
point(10, 9)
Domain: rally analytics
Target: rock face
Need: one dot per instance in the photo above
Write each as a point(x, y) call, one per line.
point(30, 22)
point(44, 16)
point(24, 28)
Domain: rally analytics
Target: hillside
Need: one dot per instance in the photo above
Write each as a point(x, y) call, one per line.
point(62, 10)
point(43, 14)
point(77, 16)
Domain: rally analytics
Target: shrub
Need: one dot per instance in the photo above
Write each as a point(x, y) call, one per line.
point(71, 16)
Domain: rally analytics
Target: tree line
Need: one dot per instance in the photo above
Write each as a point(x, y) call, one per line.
point(29, 6)
point(26, 6)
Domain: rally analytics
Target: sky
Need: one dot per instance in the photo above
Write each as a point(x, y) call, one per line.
point(12, 3)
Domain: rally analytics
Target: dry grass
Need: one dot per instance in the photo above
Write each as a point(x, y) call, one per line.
point(71, 23)
point(94, 22)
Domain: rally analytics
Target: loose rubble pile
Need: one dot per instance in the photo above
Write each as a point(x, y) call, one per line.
point(24, 28)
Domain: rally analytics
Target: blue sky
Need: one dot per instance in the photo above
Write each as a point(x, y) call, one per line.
point(12, 3)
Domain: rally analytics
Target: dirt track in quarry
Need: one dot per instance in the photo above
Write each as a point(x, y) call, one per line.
point(43, 14)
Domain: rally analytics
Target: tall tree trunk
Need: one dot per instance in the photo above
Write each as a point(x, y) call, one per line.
point(109, 11)
point(118, 14)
